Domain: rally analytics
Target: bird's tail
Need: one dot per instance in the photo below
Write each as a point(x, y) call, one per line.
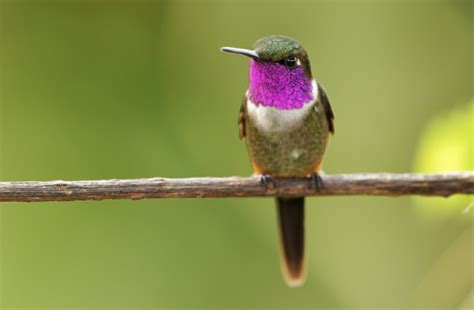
point(291, 225)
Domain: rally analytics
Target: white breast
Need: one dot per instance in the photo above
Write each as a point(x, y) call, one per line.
point(270, 119)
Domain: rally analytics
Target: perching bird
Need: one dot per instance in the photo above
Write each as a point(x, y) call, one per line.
point(285, 119)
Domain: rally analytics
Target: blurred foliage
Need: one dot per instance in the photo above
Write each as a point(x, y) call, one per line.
point(119, 89)
point(447, 144)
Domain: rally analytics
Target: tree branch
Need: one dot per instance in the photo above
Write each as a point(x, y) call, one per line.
point(376, 184)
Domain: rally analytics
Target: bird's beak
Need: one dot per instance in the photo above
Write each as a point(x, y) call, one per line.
point(241, 51)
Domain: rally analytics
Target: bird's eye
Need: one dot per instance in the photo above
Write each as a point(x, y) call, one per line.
point(290, 62)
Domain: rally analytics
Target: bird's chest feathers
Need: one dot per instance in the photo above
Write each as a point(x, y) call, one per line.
point(272, 120)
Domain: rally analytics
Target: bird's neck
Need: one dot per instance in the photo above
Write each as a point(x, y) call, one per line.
point(274, 85)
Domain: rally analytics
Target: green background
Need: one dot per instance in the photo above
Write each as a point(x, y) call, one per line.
point(129, 89)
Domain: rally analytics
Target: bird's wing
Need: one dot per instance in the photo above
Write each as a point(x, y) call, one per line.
point(242, 117)
point(323, 98)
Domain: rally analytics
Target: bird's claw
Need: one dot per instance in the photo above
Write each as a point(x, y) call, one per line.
point(266, 179)
point(316, 182)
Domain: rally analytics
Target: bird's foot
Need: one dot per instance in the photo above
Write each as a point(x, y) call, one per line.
point(266, 179)
point(316, 182)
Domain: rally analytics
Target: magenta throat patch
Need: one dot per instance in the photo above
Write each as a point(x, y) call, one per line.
point(274, 85)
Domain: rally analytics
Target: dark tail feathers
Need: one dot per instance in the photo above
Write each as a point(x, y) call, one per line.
point(291, 224)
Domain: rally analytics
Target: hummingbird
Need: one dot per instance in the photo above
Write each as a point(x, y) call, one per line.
point(285, 120)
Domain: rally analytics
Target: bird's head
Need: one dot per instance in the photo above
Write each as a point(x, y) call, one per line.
point(280, 73)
